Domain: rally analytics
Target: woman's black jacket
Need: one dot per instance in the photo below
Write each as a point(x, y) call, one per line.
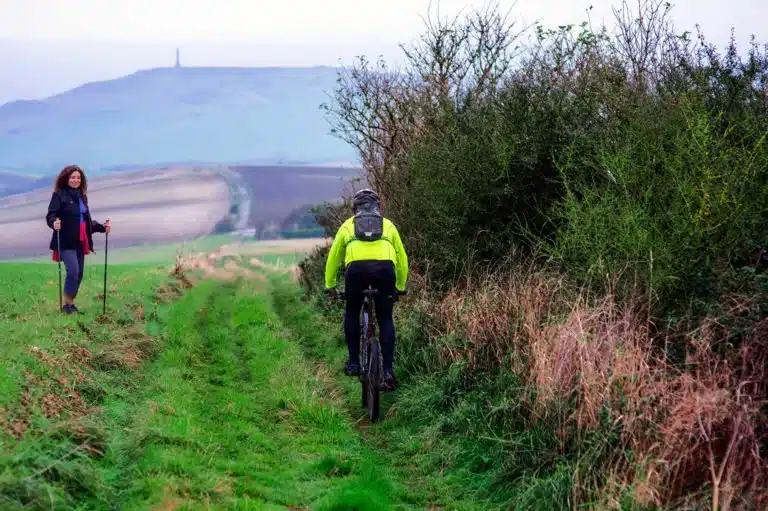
point(66, 206)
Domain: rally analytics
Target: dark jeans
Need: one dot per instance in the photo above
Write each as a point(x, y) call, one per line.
point(380, 275)
point(74, 260)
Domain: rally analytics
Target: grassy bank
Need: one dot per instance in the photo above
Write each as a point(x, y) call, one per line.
point(65, 381)
point(235, 418)
point(528, 394)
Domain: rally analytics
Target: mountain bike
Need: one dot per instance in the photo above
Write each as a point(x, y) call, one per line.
point(370, 361)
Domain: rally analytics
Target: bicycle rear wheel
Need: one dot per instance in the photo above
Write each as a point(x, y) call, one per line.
point(373, 374)
point(364, 359)
point(364, 374)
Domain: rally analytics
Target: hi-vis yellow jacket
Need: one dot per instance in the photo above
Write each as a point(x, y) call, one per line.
point(388, 248)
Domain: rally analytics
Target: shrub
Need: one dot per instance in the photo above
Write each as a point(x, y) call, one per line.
point(641, 154)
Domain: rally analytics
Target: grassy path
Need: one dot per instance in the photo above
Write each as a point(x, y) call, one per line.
point(413, 452)
point(236, 418)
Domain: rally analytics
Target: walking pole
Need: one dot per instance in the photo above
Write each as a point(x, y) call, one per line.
point(58, 247)
point(106, 251)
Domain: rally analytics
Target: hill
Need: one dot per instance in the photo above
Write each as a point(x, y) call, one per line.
point(176, 115)
point(12, 181)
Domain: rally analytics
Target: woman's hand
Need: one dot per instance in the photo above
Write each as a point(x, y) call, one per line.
point(57, 224)
point(107, 226)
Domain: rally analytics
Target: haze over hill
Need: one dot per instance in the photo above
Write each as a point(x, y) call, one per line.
point(262, 115)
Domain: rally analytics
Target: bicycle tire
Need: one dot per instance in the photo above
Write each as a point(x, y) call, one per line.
point(363, 363)
point(370, 361)
point(373, 372)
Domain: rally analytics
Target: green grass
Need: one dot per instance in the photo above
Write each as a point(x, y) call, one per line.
point(469, 441)
point(145, 254)
point(54, 367)
point(238, 419)
point(166, 253)
point(281, 260)
point(201, 401)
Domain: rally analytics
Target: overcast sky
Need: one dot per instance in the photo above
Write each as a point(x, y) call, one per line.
point(47, 46)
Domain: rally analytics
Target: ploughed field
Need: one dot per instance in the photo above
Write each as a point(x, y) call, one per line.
point(278, 190)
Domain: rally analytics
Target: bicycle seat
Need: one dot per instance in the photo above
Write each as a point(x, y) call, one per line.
point(370, 292)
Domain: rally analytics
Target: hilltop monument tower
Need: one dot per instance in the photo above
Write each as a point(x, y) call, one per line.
point(178, 59)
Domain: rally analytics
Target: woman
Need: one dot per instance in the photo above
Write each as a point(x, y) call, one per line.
point(69, 216)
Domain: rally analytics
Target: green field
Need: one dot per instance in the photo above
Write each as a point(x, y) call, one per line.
point(272, 252)
point(166, 253)
point(280, 260)
point(163, 253)
point(227, 395)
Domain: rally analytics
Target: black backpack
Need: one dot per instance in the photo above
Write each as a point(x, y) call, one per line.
point(369, 225)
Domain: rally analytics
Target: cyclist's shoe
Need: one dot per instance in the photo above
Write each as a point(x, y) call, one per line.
point(389, 382)
point(352, 369)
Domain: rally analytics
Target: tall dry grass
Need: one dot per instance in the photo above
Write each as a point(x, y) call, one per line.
point(697, 432)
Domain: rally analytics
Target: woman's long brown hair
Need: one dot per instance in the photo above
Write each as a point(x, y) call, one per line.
point(63, 179)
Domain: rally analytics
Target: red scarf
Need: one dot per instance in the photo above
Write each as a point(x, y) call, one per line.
point(83, 240)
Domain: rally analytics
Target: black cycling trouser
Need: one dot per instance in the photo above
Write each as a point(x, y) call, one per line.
point(380, 275)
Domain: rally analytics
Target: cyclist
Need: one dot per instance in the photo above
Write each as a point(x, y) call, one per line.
point(373, 254)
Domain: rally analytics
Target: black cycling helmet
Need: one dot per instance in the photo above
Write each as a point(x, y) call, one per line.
point(365, 196)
